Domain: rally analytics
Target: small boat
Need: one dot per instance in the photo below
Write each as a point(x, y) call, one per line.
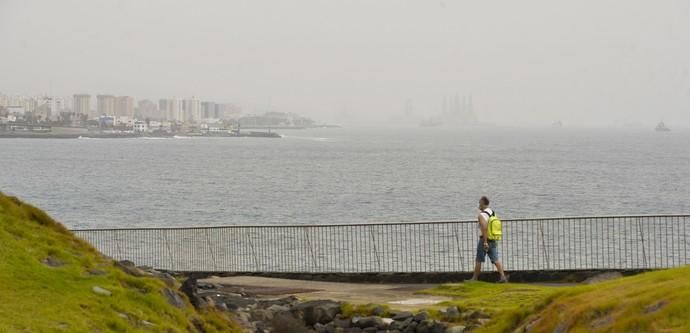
point(661, 127)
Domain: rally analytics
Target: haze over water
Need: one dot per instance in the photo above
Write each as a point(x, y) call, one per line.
point(349, 176)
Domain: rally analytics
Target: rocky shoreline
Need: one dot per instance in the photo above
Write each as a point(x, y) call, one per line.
point(292, 315)
point(289, 314)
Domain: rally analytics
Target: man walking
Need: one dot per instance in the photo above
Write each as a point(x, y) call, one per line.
point(486, 246)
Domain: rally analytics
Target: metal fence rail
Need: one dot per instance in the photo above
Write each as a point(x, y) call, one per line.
point(574, 243)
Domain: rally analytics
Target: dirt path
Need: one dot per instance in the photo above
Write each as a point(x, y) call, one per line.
point(397, 296)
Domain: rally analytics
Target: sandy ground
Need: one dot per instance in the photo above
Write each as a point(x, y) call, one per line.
point(397, 296)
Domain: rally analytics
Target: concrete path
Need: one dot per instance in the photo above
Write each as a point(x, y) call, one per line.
point(397, 296)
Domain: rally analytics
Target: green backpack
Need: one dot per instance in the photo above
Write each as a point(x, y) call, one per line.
point(494, 227)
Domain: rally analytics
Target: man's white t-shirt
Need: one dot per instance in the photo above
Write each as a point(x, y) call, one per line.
point(485, 219)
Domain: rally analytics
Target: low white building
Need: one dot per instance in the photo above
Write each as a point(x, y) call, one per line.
point(123, 121)
point(140, 127)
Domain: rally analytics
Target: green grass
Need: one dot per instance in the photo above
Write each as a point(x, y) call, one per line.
point(650, 302)
point(508, 304)
point(36, 297)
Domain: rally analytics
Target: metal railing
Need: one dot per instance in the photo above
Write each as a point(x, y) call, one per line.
point(569, 243)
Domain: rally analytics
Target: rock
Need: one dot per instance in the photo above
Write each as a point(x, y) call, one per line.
point(167, 278)
point(147, 323)
point(655, 307)
point(451, 314)
point(222, 307)
point(456, 329)
point(129, 268)
point(207, 285)
point(465, 315)
point(189, 288)
point(370, 330)
point(96, 272)
point(378, 311)
point(421, 316)
point(262, 315)
point(342, 322)
point(101, 291)
point(387, 321)
point(286, 322)
point(123, 315)
point(328, 328)
point(424, 326)
point(322, 311)
point(479, 315)
point(235, 302)
point(401, 324)
point(52, 262)
point(439, 327)
point(483, 321)
point(411, 328)
point(173, 298)
point(402, 315)
point(275, 308)
point(320, 328)
point(371, 321)
point(352, 330)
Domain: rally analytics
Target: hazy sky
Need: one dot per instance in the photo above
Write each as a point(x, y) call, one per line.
point(524, 62)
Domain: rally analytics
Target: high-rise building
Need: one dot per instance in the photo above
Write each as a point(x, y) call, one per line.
point(105, 105)
point(124, 106)
point(208, 110)
point(228, 111)
point(82, 104)
point(191, 110)
point(170, 109)
point(52, 106)
point(147, 109)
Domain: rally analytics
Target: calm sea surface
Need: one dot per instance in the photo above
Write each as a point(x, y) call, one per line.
point(348, 176)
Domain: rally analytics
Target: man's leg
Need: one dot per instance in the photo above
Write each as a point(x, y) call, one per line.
point(499, 267)
point(493, 254)
point(477, 270)
point(481, 254)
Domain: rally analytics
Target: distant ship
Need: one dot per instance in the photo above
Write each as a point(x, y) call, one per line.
point(557, 124)
point(661, 127)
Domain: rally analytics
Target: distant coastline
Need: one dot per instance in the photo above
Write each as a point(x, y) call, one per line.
point(126, 135)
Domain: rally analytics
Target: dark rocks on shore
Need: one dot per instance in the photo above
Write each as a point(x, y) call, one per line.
point(290, 315)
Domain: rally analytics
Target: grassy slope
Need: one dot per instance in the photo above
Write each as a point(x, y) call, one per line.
point(36, 297)
point(650, 302)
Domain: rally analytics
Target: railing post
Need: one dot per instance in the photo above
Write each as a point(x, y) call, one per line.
point(167, 245)
point(457, 241)
point(119, 248)
point(644, 253)
point(311, 249)
point(210, 249)
point(251, 247)
point(373, 242)
point(543, 244)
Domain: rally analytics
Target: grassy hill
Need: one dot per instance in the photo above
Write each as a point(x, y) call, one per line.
point(650, 302)
point(52, 281)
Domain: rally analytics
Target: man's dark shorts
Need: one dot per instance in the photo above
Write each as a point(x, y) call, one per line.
point(493, 251)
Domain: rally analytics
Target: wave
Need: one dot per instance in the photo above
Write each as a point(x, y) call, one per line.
point(310, 138)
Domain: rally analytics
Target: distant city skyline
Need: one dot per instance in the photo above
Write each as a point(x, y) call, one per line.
point(529, 63)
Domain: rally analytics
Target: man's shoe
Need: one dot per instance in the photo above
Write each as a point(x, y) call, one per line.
point(472, 280)
point(503, 280)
